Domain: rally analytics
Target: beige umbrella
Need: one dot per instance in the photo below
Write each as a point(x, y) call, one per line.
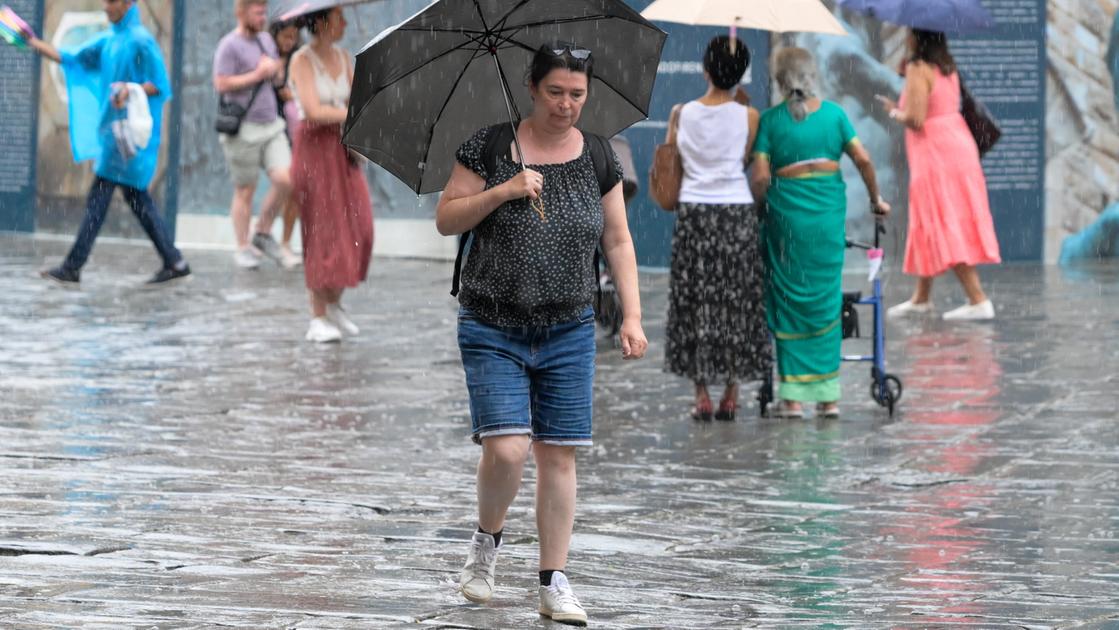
point(778, 16)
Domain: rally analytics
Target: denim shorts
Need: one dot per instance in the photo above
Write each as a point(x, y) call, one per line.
point(536, 381)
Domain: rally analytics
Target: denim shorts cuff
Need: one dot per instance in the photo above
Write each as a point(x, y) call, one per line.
point(565, 441)
point(518, 430)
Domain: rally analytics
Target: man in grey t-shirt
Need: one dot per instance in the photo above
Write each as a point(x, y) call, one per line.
point(247, 60)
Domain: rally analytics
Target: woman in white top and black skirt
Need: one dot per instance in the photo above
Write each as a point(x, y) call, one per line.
point(716, 318)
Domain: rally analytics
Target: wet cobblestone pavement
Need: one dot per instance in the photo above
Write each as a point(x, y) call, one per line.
point(183, 459)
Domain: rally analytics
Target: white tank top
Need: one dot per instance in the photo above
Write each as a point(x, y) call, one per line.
point(712, 142)
point(333, 91)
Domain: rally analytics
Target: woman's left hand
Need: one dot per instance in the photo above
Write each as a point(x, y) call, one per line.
point(888, 104)
point(634, 343)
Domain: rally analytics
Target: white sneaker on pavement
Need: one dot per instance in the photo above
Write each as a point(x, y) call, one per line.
point(246, 259)
point(476, 579)
point(289, 259)
point(337, 316)
point(322, 331)
point(909, 307)
point(558, 602)
point(972, 312)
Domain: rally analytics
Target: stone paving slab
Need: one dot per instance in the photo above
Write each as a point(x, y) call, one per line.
point(182, 459)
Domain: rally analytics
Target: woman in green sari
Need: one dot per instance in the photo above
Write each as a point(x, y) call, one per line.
point(796, 171)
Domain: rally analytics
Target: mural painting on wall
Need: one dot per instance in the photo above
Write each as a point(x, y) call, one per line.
point(1003, 68)
point(205, 187)
point(62, 184)
point(1082, 172)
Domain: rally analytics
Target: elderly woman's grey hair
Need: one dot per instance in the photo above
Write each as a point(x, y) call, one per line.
point(797, 78)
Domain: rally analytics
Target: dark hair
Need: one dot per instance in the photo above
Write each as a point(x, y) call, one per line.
point(275, 27)
point(932, 48)
point(545, 60)
point(724, 67)
point(311, 21)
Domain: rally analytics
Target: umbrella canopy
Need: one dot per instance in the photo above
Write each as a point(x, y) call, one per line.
point(778, 16)
point(422, 88)
point(958, 17)
point(285, 10)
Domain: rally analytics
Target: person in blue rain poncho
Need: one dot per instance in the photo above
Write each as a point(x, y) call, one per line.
point(103, 75)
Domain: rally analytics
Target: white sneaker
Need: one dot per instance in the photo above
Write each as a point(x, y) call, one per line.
point(559, 603)
point(289, 259)
point(246, 259)
point(322, 331)
point(476, 579)
point(972, 312)
point(337, 316)
point(909, 307)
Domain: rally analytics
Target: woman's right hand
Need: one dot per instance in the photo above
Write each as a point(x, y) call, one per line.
point(527, 183)
point(881, 209)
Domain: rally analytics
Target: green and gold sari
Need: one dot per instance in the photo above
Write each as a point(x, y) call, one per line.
point(804, 240)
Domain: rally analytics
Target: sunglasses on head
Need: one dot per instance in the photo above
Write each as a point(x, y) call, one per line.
point(581, 54)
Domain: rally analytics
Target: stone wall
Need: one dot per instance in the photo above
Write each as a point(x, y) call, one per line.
point(1082, 170)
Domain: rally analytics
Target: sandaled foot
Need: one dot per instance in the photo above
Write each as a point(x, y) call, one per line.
point(829, 411)
point(789, 409)
point(702, 410)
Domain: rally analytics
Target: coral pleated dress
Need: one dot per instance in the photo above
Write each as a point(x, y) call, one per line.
point(949, 212)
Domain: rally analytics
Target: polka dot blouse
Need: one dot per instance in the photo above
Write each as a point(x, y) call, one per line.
point(525, 271)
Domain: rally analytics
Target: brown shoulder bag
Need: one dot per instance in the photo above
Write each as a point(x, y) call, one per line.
point(667, 172)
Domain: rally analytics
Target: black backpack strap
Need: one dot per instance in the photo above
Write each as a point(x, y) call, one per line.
point(462, 243)
point(602, 157)
point(497, 144)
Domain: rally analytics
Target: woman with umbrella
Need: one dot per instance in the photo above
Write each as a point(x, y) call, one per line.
point(796, 170)
point(950, 224)
point(526, 326)
point(329, 186)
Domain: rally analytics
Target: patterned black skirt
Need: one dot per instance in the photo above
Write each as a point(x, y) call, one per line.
point(716, 329)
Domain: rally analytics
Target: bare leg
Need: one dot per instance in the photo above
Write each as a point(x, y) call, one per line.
point(730, 394)
point(278, 194)
point(499, 478)
point(923, 291)
point(319, 300)
point(969, 279)
point(555, 503)
point(702, 398)
point(291, 213)
point(241, 210)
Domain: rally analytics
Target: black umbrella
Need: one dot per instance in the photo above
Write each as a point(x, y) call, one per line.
point(422, 88)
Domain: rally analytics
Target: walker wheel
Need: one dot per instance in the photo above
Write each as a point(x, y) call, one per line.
point(887, 392)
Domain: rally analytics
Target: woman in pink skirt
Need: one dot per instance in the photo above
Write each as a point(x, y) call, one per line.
point(328, 183)
point(950, 224)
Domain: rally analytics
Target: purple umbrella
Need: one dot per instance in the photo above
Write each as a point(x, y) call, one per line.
point(954, 17)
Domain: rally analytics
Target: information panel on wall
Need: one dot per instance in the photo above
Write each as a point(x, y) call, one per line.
point(1005, 70)
point(19, 123)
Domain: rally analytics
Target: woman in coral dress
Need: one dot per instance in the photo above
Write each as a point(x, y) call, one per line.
point(950, 224)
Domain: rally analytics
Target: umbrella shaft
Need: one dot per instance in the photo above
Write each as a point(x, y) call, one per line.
point(509, 108)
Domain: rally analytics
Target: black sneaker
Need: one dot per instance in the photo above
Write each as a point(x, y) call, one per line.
point(168, 275)
point(62, 276)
